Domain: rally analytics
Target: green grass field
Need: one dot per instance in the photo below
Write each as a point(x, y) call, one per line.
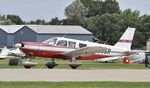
point(74, 84)
point(63, 64)
point(86, 64)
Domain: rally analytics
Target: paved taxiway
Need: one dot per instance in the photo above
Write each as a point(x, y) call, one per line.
point(58, 75)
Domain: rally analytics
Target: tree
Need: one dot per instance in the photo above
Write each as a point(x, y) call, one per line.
point(55, 21)
point(76, 12)
point(144, 29)
point(4, 21)
point(111, 6)
point(105, 27)
point(99, 7)
point(15, 19)
point(129, 18)
point(38, 22)
point(94, 7)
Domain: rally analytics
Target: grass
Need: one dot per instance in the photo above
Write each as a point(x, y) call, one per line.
point(74, 84)
point(63, 64)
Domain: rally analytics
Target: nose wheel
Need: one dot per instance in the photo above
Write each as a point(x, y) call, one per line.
point(28, 64)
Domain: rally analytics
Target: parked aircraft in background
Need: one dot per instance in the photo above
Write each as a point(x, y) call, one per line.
point(110, 59)
point(4, 53)
point(17, 52)
point(139, 58)
point(65, 48)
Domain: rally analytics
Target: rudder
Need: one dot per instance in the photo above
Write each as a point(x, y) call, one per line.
point(126, 39)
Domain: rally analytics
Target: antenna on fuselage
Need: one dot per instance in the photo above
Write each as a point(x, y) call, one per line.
point(106, 41)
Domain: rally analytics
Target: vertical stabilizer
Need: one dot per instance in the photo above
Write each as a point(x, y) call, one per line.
point(126, 39)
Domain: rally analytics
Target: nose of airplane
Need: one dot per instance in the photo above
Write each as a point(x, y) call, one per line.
point(18, 45)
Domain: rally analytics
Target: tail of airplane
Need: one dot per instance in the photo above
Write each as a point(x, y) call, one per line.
point(126, 39)
point(4, 52)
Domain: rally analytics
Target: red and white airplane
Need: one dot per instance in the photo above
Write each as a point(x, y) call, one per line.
point(73, 49)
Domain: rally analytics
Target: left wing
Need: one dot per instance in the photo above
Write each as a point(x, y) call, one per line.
point(86, 51)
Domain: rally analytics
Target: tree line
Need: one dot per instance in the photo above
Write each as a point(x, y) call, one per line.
point(103, 18)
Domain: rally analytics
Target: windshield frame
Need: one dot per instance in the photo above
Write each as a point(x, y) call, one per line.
point(51, 41)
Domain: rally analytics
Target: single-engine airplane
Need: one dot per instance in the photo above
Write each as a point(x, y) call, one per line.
point(73, 49)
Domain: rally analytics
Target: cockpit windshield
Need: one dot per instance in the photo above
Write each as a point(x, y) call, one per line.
point(51, 41)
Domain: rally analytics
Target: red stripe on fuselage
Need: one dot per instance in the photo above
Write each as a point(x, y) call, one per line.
point(41, 53)
point(128, 41)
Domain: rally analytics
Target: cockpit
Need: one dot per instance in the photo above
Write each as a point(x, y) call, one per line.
point(51, 41)
point(62, 42)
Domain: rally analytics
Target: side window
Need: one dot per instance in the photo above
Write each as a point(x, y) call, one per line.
point(82, 45)
point(62, 43)
point(72, 44)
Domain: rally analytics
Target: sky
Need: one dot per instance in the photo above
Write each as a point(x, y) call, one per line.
point(47, 9)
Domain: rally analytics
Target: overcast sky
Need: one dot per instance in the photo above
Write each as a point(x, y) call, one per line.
point(47, 9)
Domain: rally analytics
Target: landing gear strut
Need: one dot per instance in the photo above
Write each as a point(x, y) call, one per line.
point(51, 64)
point(74, 64)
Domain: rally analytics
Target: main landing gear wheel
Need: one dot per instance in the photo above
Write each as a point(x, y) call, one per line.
point(51, 65)
point(74, 65)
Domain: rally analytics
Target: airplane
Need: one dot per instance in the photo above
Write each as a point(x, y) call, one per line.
point(17, 52)
point(110, 59)
point(139, 58)
point(4, 53)
point(72, 49)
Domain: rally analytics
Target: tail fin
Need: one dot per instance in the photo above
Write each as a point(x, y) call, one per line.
point(126, 39)
point(4, 51)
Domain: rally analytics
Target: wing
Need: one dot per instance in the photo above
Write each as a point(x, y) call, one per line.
point(86, 51)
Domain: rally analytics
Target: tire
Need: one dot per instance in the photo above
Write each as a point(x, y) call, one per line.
point(74, 67)
point(15, 62)
point(27, 67)
point(50, 65)
point(147, 61)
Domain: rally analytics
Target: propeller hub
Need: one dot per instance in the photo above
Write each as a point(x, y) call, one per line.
point(18, 45)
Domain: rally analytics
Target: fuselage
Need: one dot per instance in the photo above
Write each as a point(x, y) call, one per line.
point(53, 48)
